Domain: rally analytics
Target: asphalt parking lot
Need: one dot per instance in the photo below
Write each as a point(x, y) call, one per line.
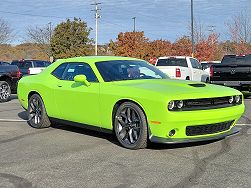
point(64, 156)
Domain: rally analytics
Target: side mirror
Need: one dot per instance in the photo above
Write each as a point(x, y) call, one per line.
point(82, 79)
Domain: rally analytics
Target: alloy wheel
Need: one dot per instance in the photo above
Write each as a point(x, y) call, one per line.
point(128, 125)
point(35, 111)
point(4, 91)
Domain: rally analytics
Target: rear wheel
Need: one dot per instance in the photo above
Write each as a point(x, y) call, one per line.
point(130, 126)
point(5, 91)
point(36, 113)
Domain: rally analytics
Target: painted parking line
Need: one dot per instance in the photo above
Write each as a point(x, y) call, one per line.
point(243, 124)
point(13, 120)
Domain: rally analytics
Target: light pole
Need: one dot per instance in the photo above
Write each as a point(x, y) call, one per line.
point(134, 24)
point(97, 16)
point(192, 28)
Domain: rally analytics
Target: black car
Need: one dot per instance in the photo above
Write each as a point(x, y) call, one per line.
point(9, 76)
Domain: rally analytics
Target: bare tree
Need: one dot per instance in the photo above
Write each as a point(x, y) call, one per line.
point(239, 28)
point(6, 33)
point(41, 36)
point(199, 31)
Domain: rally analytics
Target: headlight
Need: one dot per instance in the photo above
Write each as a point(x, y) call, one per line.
point(171, 105)
point(231, 99)
point(179, 104)
point(237, 98)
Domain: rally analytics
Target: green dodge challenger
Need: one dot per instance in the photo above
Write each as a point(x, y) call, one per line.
point(130, 98)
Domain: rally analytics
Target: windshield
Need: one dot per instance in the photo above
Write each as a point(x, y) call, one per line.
point(128, 70)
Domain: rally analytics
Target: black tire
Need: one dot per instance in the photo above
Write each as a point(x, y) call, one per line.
point(37, 116)
point(187, 78)
point(130, 126)
point(207, 80)
point(5, 91)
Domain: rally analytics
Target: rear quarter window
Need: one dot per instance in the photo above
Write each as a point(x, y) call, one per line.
point(59, 71)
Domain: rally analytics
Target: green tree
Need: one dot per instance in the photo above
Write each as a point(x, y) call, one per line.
point(71, 38)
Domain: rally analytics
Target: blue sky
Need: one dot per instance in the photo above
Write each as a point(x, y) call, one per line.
point(159, 19)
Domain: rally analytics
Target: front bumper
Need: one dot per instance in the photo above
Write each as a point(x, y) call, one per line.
point(234, 130)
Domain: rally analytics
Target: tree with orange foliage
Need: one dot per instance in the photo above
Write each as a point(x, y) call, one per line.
point(158, 48)
point(182, 46)
point(206, 49)
point(131, 44)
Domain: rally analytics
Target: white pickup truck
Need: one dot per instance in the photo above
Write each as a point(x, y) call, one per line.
point(182, 67)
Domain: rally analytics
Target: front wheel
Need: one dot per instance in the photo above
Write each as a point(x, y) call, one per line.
point(5, 91)
point(130, 126)
point(36, 113)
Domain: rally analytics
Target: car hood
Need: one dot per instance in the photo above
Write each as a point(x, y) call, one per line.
point(179, 88)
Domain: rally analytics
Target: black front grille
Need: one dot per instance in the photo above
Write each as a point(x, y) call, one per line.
point(208, 129)
point(207, 103)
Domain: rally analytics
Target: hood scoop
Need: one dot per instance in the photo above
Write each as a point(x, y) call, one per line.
point(197, 85)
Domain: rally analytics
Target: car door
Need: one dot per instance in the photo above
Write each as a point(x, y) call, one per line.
point(76, 101)
point(197, 70)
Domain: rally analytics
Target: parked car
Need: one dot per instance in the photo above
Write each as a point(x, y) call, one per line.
point(207, 64)
point(233, 71)
point(183, 68)
point(9, 76)
point(30, 67)
point(131, 98)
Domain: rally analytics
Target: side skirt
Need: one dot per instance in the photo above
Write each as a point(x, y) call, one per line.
point(80, 125)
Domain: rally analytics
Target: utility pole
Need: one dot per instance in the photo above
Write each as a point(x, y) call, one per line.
point(50, 36)
point(97, 16)
point(134, 24)
point(192, 28)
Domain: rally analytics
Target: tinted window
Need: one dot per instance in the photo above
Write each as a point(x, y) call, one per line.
point(40, 63)
point(205, 65)
point(58, 72)
point(128, 70)
point(25, 64)
point(195, 63)
point(172, 62)
point(233, 59)
point(74, 69)
point(14, 63)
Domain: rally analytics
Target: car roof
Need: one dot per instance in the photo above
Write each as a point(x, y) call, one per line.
point(181, 57)
point(93, 59)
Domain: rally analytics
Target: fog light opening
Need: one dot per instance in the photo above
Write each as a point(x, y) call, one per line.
point(172, 132)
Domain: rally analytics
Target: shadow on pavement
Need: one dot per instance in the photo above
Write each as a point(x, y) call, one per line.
point(112, 138)
point(23, 115)
point(13, 96)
